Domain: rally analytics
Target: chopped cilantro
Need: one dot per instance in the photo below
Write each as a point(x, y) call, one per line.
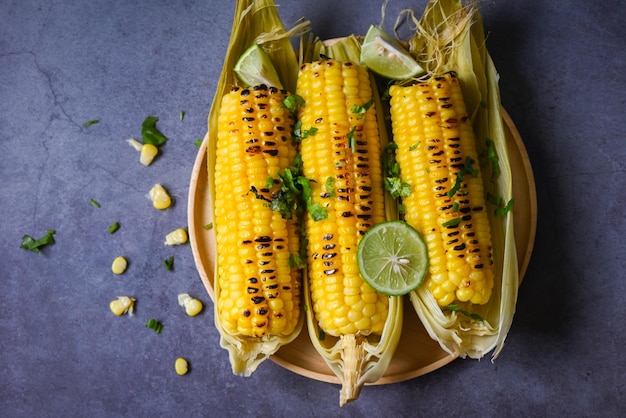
point(34, 245)
point(452, 222)
point(503, 210)
point(198, 142)
point(351, 139)
point(393, 183)
point(169, 263)
point(493, 159)
point(466, 169)
point(414, 146)
point(114, 227)
point(471, 315)
point(361, 110)
point(208, 226)
point(330, 187)
point(94, 203)
point(182, 115)
point(302, 134)
point(154, 325)
point(396, 187)
point(150, 134)
point(293, 102)
point(91, 122)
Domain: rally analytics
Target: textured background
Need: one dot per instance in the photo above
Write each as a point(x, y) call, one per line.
point(62, 353)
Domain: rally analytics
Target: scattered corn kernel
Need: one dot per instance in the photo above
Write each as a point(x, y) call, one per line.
point(122, 305)
point(148, 153)
point(181, 366)
point(192, 305)
point(135, 144)
point(160, 197)
point(176, 237)
point(119, 265)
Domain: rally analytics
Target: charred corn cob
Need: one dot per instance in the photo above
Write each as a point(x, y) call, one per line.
point(437, 157)
point(258, 291)
point(340, 148)
point(342, 158)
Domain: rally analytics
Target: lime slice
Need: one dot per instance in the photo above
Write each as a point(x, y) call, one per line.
point(386, 56)
point(255, 67)
point(393, 258)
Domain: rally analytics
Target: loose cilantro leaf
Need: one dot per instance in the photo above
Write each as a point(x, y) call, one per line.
point(208, 226)
point(94, 203)
point(114, 227)
point(169, 263)
point(154, 325)
point(393, 183)
point(471, 315)
point(351, 139)
point(150, 134)
point(493, 159)
point(182, 115)
point(452, 222)
point(414, 146)
point(503, 210)
point(293, 102)
point(330, 187)
point(466, 169)
point(91, 122)
point(396, 187)
point(34, 245)
point(300, 134)
point(198, 142)
point(361, 110)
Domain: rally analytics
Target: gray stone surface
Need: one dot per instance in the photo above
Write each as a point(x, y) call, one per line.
point(63, 63)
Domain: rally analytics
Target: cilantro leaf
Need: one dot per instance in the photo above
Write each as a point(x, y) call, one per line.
point(293, 102)
point(34, 245)
point(150, 134)
point(471, 315)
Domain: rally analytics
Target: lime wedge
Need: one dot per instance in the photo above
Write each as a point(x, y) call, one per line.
point(255, 67)
point(393, 258)
point(386, 56)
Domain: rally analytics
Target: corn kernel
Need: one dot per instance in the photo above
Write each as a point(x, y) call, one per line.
point(176, 237)
point(160, 197)
point(182, 366)
point(192, 305)
point(148, 154)
point(119, 265)
point(122, 305)
point(135, 144)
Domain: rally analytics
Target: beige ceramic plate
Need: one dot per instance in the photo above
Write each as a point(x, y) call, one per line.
point(408, 362)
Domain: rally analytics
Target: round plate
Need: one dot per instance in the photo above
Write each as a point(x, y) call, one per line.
point(300, 356)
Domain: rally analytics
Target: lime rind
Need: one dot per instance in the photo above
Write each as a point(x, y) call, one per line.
point(393, 258)
point(255, 67)
point(385, 56)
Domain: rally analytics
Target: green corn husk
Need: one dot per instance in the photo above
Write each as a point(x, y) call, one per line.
point(355, 360)
point(254, 21)
point(450, 37)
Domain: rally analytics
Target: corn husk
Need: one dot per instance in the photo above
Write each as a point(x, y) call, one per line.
point(254, 21)
point(449, 37)
point(356, 360)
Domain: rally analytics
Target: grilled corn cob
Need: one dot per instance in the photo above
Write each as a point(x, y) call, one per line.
point(437, 157)
point(340, 150)
point(257, 290)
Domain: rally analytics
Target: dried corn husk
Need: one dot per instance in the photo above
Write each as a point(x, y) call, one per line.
point(254, 21)
point(449, 37)
point(355, 359)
